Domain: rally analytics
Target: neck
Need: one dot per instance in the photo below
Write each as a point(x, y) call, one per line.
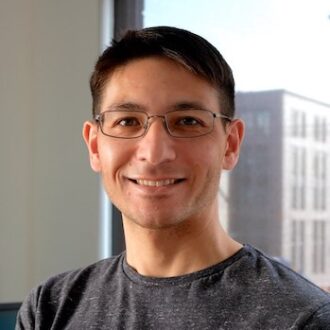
point(191, 246)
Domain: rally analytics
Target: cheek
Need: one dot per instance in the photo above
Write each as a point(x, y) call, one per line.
point(209, 159)
point(113, 156)
point(206, 168)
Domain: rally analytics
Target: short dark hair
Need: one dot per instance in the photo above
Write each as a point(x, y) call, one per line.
point(190, 50)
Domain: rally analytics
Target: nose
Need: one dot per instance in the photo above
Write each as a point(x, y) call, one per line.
point(156, 146)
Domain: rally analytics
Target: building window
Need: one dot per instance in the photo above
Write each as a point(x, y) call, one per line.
point(316, 181)
point(324, 167)
point(294, 123)
point(302, 178)
point(323, 182)
point(294, 160)
point(303, 162)
point(298, 188)
point(298, 124)
point(298, 245)
point(320, 129)
point(294, 188)
point(323, 197)
point(294, 199)
point(319, 246)
point(302, 196)
point(303, 124)
point(324, 130)
point(316, 129)
point(320, 181)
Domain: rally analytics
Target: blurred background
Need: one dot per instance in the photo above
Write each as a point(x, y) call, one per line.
point(54, 215)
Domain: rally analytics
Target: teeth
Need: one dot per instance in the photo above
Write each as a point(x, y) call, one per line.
point(152, 183)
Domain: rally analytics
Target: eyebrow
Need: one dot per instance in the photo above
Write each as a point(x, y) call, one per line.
point(189, 105)
point(126, 106)
point(184, 105)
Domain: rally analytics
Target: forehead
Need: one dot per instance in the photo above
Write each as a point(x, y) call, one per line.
point(156, 82)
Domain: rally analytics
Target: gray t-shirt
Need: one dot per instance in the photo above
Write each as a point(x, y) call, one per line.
point(247, 291)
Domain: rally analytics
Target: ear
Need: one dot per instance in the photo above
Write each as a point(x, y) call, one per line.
point(90, 136)
point(235, 134)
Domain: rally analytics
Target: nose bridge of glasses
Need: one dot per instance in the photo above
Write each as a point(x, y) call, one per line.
point(151, 119)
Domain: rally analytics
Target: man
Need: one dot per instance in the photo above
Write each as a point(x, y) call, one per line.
point(163, 131)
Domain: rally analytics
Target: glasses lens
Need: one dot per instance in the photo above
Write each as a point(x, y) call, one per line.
point(189, 123)
point(123, 124)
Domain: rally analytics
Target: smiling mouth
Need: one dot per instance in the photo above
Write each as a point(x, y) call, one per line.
point(156, 183)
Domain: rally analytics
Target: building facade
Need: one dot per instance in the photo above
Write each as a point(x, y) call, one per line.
point(279, 192)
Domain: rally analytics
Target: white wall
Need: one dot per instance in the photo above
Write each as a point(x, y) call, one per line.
point(48, 194)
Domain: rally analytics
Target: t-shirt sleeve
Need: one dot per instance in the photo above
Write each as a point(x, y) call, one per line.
point(27, 312)
point(320, 320)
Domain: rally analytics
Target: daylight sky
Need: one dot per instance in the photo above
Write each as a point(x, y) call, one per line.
point(269, 44)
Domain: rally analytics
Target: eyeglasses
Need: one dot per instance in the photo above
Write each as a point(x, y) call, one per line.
point(178, 123)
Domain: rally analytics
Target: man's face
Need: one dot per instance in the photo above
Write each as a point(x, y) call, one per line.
point(157, 180)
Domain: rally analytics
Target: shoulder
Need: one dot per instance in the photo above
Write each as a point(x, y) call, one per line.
point(269, 270)
point(65, 290)
point(281, 289)
point(81, 279)
point(320, 319)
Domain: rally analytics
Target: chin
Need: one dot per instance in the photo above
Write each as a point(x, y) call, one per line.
point(154, 221)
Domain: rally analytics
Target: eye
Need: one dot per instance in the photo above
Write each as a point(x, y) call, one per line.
point(128, 121)
point(189, 121)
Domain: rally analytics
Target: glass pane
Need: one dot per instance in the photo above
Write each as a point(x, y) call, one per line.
point(279, 52)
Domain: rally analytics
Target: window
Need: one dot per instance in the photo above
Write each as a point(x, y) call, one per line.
point(298, 124)
point(320, 129)
point(317, 130)
point(324, 130)
point(294, 123)
point(303, 162)
point(303, 124)
point(319, 246)
point(298, 182)
point(298, 245)
point(287, 156)
point(316, 196)
point(320, 180)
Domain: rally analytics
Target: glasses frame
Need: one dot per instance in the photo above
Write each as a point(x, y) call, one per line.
point(99, 118)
